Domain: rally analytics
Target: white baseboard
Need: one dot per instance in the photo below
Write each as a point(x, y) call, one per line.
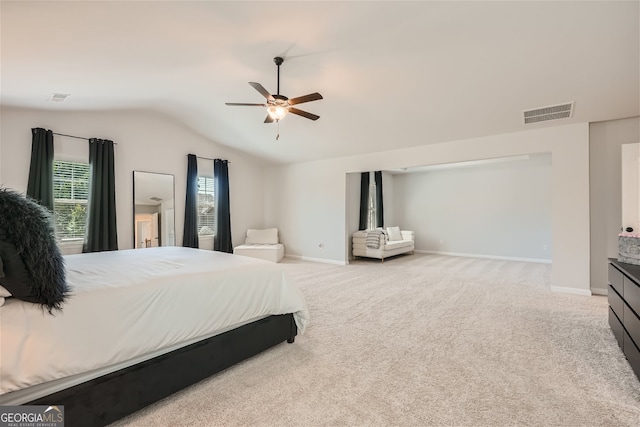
point(502, 258)
point(322, 260)
point(573, 291)
point(599, 291)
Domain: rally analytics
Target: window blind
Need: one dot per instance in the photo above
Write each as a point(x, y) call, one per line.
point(206, 206)
point(70, 195)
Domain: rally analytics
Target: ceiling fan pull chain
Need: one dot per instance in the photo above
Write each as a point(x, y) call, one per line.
point(278, 134)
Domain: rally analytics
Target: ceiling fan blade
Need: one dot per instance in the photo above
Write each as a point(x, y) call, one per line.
point(243, 104)
point(307, 98)
point(262, 90)
point(269, 119)
point(303, 113)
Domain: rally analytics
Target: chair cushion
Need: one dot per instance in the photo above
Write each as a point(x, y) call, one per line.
point(397, 244)
point(268, 236)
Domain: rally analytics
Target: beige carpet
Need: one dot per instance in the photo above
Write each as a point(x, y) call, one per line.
point(425, 340)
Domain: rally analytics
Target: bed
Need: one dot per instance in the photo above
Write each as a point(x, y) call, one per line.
point(141, 324)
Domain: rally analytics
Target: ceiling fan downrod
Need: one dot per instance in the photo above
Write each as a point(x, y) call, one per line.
point(278, 60)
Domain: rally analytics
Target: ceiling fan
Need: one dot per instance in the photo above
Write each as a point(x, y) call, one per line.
point(278, 105)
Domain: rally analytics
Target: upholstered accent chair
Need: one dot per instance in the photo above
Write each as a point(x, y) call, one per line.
point(263, 244)
point(383, 243)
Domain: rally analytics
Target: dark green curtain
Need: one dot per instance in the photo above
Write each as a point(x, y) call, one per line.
point(40, 185)
point(190, 234)
point(222, 239)
point(364, 200)
point(101, 233)
point(379, 206)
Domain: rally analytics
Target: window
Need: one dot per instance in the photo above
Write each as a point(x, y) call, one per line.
point(70, 194)
point(372, 221)
point(206, 207)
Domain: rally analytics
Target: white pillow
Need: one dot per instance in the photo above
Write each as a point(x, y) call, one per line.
point(3, 294)
point(394, 233)
point(268, 236)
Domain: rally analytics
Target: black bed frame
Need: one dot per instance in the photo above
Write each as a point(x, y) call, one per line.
point(113, 396)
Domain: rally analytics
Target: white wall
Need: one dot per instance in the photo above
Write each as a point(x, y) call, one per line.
point(145, 141)
point(605, 142)
point(308, 200)
point(496, 210)
point(353, 209)
point(308, 204)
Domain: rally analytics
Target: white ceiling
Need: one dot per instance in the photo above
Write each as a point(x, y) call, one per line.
point(393, 74)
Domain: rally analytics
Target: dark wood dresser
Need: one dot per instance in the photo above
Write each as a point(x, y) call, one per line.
point(624, 309)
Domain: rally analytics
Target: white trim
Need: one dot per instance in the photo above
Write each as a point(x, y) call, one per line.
point(441, 166)
point(599, 291)
point(322, 260)
point(503, 258)
point(573, 291)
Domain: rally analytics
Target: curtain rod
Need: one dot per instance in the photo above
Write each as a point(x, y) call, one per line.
point(207, 158)
point(70, 136)
point(77, 137)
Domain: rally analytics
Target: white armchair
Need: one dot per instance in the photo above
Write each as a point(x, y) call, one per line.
point(262, 244)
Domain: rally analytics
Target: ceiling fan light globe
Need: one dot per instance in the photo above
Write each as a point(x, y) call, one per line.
point(276, 112)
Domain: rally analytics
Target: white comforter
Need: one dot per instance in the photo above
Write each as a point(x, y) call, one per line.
point(131, 303)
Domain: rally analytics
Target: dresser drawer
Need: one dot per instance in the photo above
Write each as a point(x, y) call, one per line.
point(616, 303)
point(632, 294)
point(631, 324)
point(632, 353)
point(616, 327)
point(616, 279)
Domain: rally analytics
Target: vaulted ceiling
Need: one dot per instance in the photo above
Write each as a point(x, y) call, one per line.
point(393, 74)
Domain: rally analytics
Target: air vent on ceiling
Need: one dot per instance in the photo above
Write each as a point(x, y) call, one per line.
point(58, 97)
point(156, 199)
point(553, 112)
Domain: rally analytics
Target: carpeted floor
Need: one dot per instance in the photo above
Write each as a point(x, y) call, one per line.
point(425, 340)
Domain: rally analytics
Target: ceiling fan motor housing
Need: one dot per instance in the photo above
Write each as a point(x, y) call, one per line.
point(280, 100)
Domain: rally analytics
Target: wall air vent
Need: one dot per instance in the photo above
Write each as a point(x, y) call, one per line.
point(554, 112)
point(58, 97)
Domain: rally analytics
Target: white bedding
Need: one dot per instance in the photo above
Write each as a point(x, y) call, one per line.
point(131, 303)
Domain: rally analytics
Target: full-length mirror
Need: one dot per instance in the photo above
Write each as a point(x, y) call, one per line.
point(631, 186)
point(153, 210)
